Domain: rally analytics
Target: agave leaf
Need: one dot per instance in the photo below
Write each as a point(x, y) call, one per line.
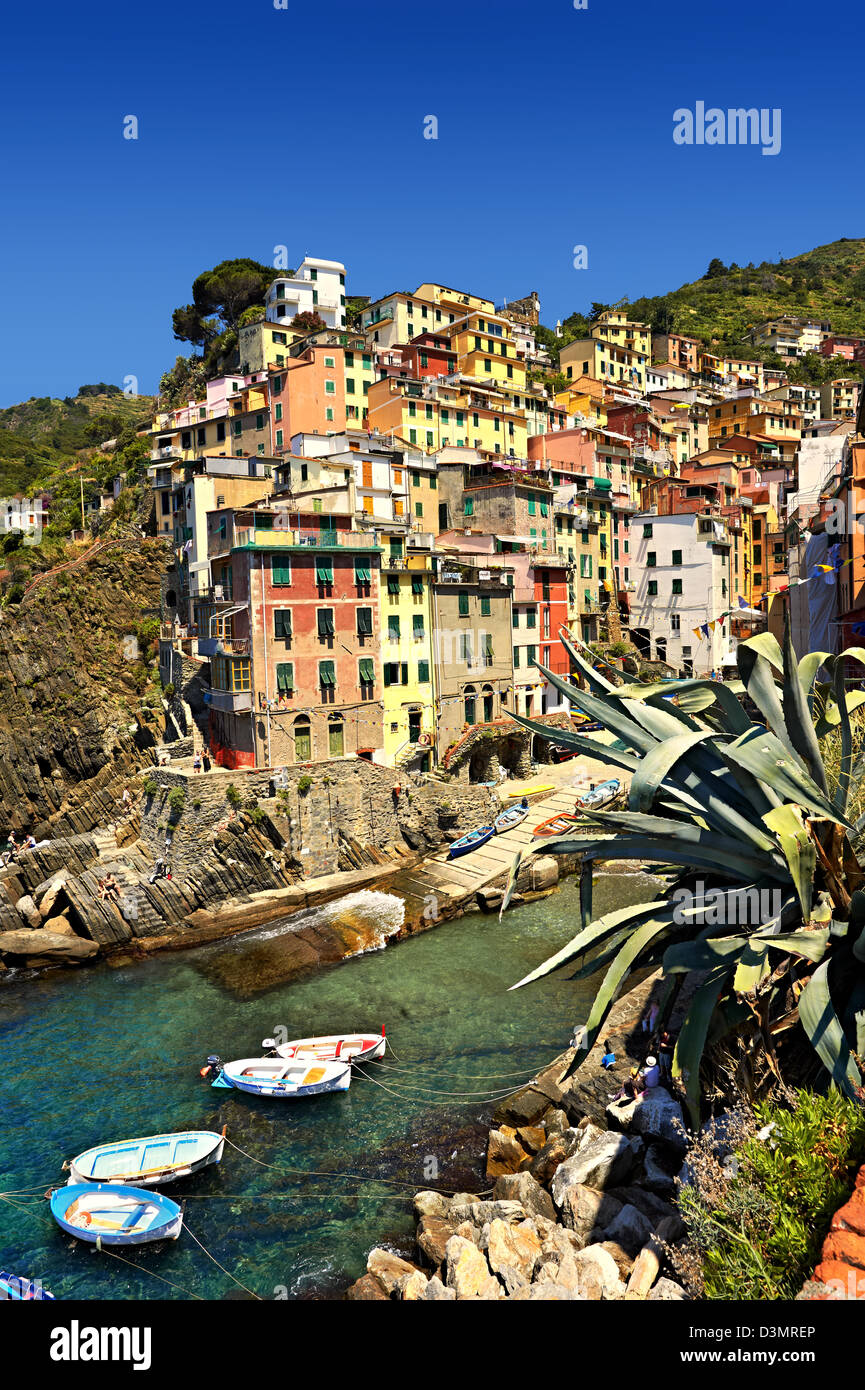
point(691, 1042)
point(830, 716)
point(808, 668)
point(798, 848)
point(588, 747)
point(810, 944)
point(707, 850)
point(845, 767)
point(598, 684)
point(596, 934)
point(719, 692)
point(657, 764)
point(650, 824)
point(766, 758)
point(703, 954)
point(761, 688)
point(797, 716)
point(617, 972)
point(752, 967)
point(823, 1026)
point(765, 645)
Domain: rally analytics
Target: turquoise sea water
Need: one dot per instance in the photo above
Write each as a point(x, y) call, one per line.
point(114, 1053)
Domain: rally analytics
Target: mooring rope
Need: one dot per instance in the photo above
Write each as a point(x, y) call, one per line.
point(355, 1177)
point(227, 1274)
point(402, 1096)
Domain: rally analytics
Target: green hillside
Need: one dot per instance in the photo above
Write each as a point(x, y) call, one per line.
point(44, 435)
point(827, 283)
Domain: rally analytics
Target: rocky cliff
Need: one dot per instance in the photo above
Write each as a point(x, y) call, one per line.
point(73, 677)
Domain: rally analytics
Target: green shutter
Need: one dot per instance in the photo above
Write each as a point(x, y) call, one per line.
point(367, 673)
point(393, 585)
point(326, 673)
point(280, 569)
point(282, 623)
point(364, 622)
point(488, 644)
point(285, 678)
point(464, 605)
point(485, 605)
point(325, 622)
point(423, 672)
point(362, 570)
point(417, 624)
point(403, 673)
point(416, 584)
point(393, 627)
point(323, 570)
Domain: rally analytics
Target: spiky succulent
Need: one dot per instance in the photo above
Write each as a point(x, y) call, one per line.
point(745, 805)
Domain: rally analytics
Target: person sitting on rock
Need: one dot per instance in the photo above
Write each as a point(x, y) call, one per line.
point(29, 842)
point(651, 1073)
point(109, 888)
point(609, 1056)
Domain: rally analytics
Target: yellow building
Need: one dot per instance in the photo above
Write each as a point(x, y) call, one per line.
point(619, 351)
point(431, 415)
point(408, 668)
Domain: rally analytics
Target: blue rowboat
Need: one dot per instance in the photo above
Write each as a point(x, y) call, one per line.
point(285, 1080)
point(471, 841)
point(600, 795)
point(148, 1162)
point(508, 819)
point(15, 1288)
point(115, 1215)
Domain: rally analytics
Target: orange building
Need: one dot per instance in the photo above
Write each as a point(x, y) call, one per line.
point(307, 395)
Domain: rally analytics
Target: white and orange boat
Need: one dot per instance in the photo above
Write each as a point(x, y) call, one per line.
point(332, 1047)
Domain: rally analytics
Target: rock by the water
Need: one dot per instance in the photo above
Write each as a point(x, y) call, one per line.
point(655, 1114)
point(389, 1269)
point(433, 1234)
point(430, 1204)
point(27, 909)
point(47, 948)
point(548, 1159)
point(437, 1292)
point(468, 1273)
point(413, 1286)
point(588, 1212)
point(367, 1289)
point(505, 1153)
point(523, 1188)
point(601, 1163)
point(512, 1252)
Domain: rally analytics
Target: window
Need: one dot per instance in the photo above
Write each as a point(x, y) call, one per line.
point(366, 677)
point(516, 658)
point(349, 386)
point(651, 558)
point(653, 588)
point(364, 622)
point(418, 509)
point(327, 679)
point(531, 506)
point(423, 672)
point(488, 648)
point(675, 622)
point(285, 678)
point(393, 627)
point(515, 619)
point(531, 617)
point(329, 388)
point(417, 627)
point(231, 673)
point(677, 586)
point(677, 557)
point(279, 439)
point(531, 653)
point(647, 531)
point(466, 648)
point(485, 605)
point(323, 570)
point(325, 622)
point(468, 507)
point(417, 585)
point(280, 570)
point(282, 624)
point(393, 585)
point(362, 570)
point(464, 605)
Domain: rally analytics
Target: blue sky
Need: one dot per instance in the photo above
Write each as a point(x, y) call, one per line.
point(258, 128)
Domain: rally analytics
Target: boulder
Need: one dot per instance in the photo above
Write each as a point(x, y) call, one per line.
point(505, 1153)
point(656, 1115)
point(539, 874)
point(523, 1188)
point(468, 1273)
point(48, 899)
point(512, 1252)
point(630, 1229)
point(597, 1274)
point(46, 948)
point(556, 1122)
point(668, 1291)
point(558, 1244)
point(624, 1261)
point(655, 1174)
point(653, 1207)
point(61, 926)
point(479, 1212)
point(431, 1204)
point(588, 1212)
point(413, 1286)
point(27, 909)
point(544, 1291)
point(529, 1105)
point(548, 1159)
point(367, 1289)
point(389, 1269)
point(436, 1291)
point(602, 1162)
point(432, 1237)
point(532, 1137)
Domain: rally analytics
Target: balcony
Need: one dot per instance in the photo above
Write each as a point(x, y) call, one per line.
point(229, 702)
point(223, 646)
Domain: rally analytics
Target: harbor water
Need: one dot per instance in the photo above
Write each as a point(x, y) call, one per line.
point(114, 1053)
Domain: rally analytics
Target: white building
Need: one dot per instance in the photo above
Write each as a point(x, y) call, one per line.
point(22, 514)
point(681, 567)
point(317, 287)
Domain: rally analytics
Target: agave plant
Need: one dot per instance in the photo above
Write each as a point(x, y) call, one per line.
point(745, 805)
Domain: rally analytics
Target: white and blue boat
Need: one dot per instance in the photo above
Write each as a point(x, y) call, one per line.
point(115, 1215)
point(14, 1288)
point(473, 840)
point(149, 1162)
point(600, 795)
point(283, 1079)
point(506, 820)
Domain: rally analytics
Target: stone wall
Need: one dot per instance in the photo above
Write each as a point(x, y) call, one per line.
point(346, 799)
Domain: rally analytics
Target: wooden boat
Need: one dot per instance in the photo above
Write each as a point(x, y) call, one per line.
point(471, 841)
point(600, 795)
point(148, 1162)
point(509, 818)
point(115, 1215)
point(534, 791)
point(332, 1047)
point(15, 1288)
point(285, 1080)
point(558, 825)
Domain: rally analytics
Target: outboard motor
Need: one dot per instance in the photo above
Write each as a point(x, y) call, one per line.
point(211, 1067)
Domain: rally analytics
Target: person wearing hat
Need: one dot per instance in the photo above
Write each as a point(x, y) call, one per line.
point(651, 1073)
